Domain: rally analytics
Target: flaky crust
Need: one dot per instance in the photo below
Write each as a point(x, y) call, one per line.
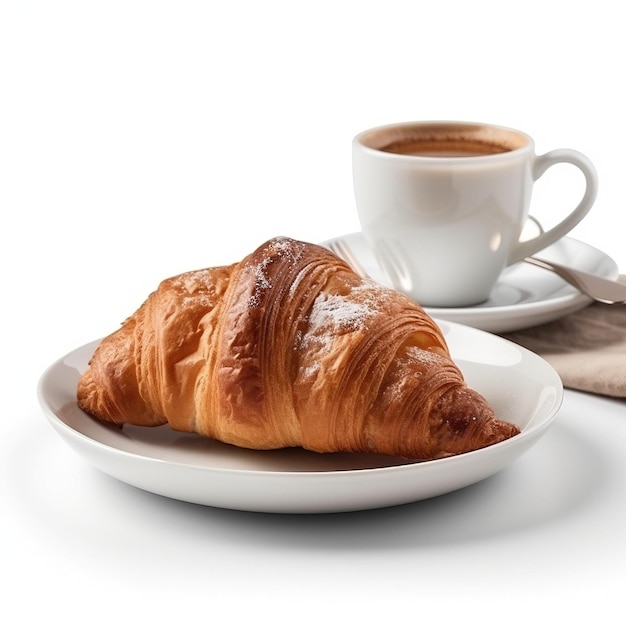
point(289, 348)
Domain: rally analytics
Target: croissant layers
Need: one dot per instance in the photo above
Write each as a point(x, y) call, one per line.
point(289, 348)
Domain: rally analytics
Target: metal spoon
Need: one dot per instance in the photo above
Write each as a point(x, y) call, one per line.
point(598, 288)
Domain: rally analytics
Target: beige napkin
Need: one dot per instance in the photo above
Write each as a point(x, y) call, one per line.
point(586, 348)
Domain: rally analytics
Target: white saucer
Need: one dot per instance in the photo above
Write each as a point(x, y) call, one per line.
point(524, 296)
point(520, 386)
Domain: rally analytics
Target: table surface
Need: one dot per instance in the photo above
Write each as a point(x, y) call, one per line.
point(135, 151)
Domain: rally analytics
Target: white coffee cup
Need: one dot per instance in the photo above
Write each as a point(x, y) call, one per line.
point(443, 204)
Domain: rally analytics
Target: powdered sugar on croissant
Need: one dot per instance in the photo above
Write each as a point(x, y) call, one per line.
point(289, 348)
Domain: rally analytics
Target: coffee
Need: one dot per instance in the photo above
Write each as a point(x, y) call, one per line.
point(444, 148)
point(444, 140)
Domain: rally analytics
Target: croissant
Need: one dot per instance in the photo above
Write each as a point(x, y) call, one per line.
point(289, 348)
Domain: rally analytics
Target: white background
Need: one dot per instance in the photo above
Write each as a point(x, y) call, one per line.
point(141, 139)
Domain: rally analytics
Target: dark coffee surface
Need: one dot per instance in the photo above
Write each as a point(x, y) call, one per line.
point(445, 148)
point(444, 140)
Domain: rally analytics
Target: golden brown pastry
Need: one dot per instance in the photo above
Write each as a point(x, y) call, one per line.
point(289, 348)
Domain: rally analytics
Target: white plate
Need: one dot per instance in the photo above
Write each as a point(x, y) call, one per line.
point(520, 386)
point(524, 296)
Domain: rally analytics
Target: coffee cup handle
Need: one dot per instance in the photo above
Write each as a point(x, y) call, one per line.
point(542, 163)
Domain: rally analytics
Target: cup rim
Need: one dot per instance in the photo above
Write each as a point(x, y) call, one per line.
point(520, 141)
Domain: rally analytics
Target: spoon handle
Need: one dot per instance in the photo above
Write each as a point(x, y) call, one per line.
point(596, 287)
